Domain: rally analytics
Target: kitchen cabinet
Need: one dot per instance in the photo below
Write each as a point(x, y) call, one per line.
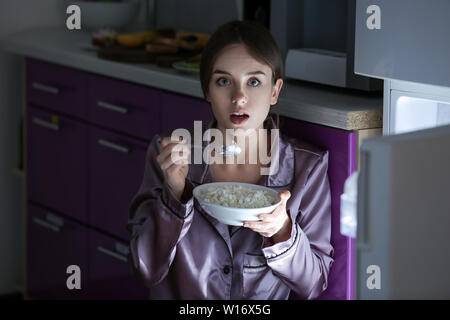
point(57, 162)
point(116, 168)
point(53, 244)
point(87, 137)
point(109, 274)
point(85, 158)
point(56, 87)
point(181, 111)
point(129, 108)
point(342, 148)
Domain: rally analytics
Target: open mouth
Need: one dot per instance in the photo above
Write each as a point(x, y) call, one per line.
point(239, 117)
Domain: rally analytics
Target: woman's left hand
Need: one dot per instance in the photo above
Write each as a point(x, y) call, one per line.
point(276, 224)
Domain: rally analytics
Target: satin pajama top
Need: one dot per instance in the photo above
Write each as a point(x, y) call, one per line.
point(179, 251)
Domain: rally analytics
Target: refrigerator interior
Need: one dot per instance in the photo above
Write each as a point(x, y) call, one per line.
point(411, 106)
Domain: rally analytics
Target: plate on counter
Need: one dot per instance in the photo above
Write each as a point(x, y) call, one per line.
point(189, 67)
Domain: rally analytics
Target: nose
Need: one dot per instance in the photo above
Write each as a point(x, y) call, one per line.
point(239, 97)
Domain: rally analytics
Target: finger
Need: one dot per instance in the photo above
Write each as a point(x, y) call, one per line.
point(181, 149)
point(164, 156)
point(264, 230)
point(284, 196)
point(257, 225)
point(173, 147)
point(168, 163)
point(172, 139)
point(267, 217)
point(165, 141)
point(180, 159)
point(174, 168)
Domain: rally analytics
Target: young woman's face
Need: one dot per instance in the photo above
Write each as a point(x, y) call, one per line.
point(241, 90)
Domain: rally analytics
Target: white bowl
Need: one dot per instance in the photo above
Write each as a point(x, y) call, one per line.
point(229, 215)
point(103, 15)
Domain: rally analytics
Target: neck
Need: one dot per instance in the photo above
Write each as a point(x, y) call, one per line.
point(249, 141)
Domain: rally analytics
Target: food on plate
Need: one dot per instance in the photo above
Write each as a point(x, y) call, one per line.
point(104, 37)
point(194, 39)
point(174, 42)
point(164, 45)
point(237, 196)
point(136, 39)
point(160, 48)
point(190, 65)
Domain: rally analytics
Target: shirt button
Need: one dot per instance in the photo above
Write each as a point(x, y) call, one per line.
point(226, 269)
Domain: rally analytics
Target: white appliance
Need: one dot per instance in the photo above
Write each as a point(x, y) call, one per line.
point(403, 187)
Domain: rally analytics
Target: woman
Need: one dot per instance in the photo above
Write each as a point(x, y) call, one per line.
point(181, 252)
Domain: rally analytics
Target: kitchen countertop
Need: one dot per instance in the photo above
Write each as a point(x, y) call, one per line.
point(335, 107)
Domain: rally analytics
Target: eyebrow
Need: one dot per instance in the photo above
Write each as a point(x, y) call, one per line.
point(248, 74)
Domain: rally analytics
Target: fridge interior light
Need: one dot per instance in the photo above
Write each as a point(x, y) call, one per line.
point(414, 113)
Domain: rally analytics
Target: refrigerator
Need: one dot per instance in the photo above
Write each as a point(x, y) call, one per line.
point(401, 216)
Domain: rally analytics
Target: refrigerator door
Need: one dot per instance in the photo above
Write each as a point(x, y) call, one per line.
point(403, 247)
point(404, 40)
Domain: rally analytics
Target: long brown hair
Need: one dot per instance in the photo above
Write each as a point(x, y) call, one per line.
point(254, 36)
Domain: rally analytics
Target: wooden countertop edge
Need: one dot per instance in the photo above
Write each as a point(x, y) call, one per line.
point(322, 115)
point(366, 119)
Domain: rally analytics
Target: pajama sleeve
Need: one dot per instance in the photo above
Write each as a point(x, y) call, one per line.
point(157, 221)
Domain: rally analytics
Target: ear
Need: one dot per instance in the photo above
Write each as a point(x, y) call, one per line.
point(207, 98)
point(276, 91)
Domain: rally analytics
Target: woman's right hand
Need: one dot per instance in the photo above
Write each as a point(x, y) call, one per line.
point(173, 160)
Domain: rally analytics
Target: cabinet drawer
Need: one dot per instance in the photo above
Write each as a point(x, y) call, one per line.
point(124, 107)
point(341, 145)
point(53, 244)
point(57, 162)
point(179, 111)
point(109, 274)
point(59, 88)
point(116, 170)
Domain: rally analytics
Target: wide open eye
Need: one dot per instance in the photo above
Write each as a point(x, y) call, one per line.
point(222, 82)
point(254, 82)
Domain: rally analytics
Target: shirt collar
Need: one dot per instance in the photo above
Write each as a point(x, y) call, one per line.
point(283, 177)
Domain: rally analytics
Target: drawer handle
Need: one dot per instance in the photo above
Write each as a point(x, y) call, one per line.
point(121, 248)
point(112, 107)
point(112, 145)
point(45, 88)
point(57, 221)
point(112, 254)
point(45, 224)
point(45, 124)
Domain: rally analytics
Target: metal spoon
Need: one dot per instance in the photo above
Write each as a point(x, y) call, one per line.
point(232, 150)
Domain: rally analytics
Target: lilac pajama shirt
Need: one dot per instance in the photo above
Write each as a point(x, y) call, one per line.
point(179, 251)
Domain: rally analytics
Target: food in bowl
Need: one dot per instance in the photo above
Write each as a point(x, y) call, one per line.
point(232, 203)
point(237, 196)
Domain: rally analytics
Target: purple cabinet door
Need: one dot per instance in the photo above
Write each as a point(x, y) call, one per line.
point(125, 107)
point(341, 145)
point(115, 171)
point(180, 111)
point(109, 274)
point(57, 162)
point(53, 244)
point(56, 87)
